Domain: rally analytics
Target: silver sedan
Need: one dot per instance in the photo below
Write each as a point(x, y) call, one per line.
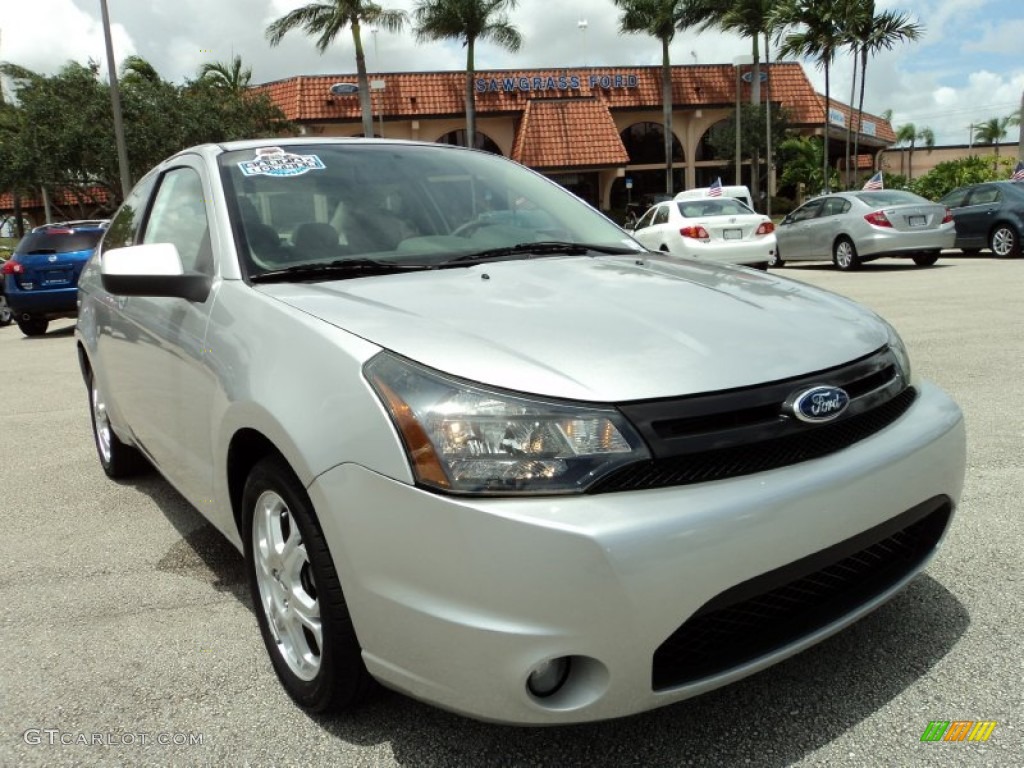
point(851, 228)
point(480, 446)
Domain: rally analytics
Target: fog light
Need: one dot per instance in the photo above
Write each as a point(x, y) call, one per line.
point(547, 677)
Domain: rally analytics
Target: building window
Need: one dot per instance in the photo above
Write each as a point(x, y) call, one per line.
point(483, 141)
point(645, 143)
point(705, 151)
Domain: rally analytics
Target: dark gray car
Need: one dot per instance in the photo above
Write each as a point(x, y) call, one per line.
point(990, 216)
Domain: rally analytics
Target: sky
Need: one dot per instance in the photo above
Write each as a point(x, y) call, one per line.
point(968, 66)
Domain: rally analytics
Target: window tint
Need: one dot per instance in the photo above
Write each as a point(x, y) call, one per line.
point(713, 207)
point(645, 220)
point(982, 195)
point(124, 227)
point(661, 215)
point(956, 198)
point(179, 216)
point(834, 206)
point(807, 211)
point(59, 241)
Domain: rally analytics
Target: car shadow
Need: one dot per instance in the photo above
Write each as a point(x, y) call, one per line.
point(871, 266)
point(55, 333)
point(778, 716)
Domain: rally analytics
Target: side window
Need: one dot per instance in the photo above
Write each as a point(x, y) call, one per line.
point(661, 215)
point(956, 198)
point(124, 227)
point(179, 216)
point(808, 211)
point(983, 195)
point(645, 220)
point(834, 206)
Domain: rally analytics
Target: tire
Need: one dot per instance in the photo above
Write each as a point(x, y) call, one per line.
point(311, 640)
point(1005, 242)
point(926, 259)
point(6, 316)
point(775, 260)
point(117, 458)
point(844, 255)
point(33, 326)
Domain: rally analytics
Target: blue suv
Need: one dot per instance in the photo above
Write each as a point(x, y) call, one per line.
point(41, 277)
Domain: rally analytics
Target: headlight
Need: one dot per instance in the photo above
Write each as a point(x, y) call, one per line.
point(466, 438)
point(899, 351)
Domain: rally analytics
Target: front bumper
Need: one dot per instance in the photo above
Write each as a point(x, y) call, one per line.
point(455, 600)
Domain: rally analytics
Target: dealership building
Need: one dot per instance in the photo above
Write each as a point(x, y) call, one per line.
point(596, 130)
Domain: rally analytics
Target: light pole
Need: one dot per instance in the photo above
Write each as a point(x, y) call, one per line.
point(582, 25)
point(738, 63)
point(115, 103)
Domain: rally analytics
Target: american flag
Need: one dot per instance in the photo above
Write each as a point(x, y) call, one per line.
point(715, 190)
point(875, 182)
point(1018, 172)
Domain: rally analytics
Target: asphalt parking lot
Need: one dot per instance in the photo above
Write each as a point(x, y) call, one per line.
point(124, 619)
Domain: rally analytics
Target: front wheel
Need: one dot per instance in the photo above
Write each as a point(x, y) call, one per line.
point(926, 259)
point(1004, 242)
point(844, 255)
point(33, 326)
point(295, 588)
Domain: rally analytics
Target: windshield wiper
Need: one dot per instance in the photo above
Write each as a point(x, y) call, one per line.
point(335, 269)
point(540, 248)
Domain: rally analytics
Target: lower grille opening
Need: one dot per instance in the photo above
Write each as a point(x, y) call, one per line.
point(775, 609)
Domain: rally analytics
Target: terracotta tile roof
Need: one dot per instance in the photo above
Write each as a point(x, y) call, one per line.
point(88, 196)
point(412, 95)
point(568, 133)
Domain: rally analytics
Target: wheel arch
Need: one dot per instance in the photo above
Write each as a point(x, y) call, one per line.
point(248, 446)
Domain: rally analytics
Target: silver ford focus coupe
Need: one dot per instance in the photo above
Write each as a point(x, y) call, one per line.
point(479, 445)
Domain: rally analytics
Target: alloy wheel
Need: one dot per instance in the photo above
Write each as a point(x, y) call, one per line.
point(288, 594)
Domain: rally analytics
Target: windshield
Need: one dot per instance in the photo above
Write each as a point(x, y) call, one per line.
point(395, 203)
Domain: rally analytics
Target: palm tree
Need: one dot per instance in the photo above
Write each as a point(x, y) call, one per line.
point(232, 77)
point(659, 19)
point(819, 34)
point(910, 134)
point(136, 70)
point(872, 33)
point(468, 21)
point(747, 18)
point(992, 132)
point(325, 20)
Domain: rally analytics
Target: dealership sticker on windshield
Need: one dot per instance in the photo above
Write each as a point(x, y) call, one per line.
point(274, 161)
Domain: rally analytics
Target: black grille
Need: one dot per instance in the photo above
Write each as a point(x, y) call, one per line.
point(745, 459)
point(779, 607)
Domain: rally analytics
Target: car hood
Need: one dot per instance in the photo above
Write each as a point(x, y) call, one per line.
point(608, 329)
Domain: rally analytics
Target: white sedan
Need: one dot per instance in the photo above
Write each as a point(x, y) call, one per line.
point(718, 229)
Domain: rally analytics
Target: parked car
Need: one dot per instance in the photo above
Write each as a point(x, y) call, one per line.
point(990, 216)
point(41, 277)
point(516, 466)
point(851, 228)
point(719, 229)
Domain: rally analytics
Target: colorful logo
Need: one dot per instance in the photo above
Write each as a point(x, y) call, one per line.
point(958, 730)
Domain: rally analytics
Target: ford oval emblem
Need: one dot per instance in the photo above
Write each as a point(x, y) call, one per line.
point(52, 258)
point(819, 404)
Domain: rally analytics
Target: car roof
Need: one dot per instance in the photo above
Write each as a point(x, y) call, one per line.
point(83, 224)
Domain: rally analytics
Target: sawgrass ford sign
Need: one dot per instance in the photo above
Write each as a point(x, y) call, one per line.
point(554, 83)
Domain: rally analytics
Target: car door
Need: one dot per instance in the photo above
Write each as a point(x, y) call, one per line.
point(822, 229)
point(794, 234)
point(167, 384)
point(978, 214)
point(659, 230)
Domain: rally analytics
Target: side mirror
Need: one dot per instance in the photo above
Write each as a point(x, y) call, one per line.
point(151, 270)
point(787, 220)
